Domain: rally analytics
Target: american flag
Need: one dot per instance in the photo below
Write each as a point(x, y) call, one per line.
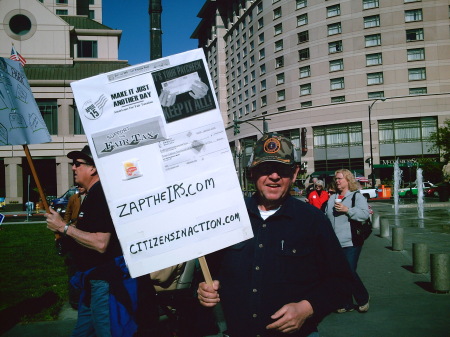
point(17, 57)
point(362, 179)
point(359, 177)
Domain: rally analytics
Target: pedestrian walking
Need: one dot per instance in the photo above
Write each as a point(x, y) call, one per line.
point(345, 205)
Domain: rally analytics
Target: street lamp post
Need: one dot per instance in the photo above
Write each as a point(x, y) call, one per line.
point(372, 175)
point(238, 152)
point(236, 125)
point(265, 125)
point(155, 10)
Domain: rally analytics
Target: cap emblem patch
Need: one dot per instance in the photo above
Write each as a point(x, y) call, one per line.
point(272, 145)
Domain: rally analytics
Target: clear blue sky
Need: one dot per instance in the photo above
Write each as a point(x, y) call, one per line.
point(179, 20)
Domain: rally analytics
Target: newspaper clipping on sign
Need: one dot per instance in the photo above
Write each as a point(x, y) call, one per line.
point(158, 141)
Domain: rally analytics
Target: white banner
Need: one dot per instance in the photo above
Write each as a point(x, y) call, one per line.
point(20, 119)
point(158, 141)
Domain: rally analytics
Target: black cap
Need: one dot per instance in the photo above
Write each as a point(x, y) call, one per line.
point(85, 154)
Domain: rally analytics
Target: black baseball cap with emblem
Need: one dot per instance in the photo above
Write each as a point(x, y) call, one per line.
point(273, 147)
point(85, 154)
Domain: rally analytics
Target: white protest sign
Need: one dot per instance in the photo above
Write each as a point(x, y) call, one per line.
point(20, 119)
point(158, 141)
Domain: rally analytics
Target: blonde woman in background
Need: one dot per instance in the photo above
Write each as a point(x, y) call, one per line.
point(340, 213)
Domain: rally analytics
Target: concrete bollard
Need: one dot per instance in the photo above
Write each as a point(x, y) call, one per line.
point(384, 228)
point(375, 220)
point(397, 238)
point(440, 272)
point(420, 258)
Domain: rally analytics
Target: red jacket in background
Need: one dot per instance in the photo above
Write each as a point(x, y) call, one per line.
point(318, 200)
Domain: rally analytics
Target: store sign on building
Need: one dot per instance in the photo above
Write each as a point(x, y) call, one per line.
point(400, 161)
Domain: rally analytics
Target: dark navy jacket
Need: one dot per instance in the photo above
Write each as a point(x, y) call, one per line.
point(293, 256)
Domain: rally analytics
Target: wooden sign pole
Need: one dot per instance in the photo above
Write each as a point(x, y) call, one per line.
point(36, 178)
point(205, 270)
point(38, 183)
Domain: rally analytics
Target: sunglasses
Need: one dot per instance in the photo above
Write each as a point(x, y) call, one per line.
point(283, 170)
point(79, 163)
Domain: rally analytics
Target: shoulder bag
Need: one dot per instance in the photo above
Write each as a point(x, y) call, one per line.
point(361, 230)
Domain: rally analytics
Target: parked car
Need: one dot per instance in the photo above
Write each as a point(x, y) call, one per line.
point(413, 190)
point(432, 191)
point(369, 193)
point(440, 190)
point(60, 204)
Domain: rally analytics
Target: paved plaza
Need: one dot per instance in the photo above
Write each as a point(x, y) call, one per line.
point(402, 304)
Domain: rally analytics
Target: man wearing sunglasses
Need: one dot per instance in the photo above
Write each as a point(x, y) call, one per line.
point(97, 255)
point(292, 273)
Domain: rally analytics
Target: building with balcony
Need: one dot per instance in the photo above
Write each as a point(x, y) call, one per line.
point(329, 68)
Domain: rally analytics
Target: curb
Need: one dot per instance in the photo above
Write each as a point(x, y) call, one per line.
point(443, 204)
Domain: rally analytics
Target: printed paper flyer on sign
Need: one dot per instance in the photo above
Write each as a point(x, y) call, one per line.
point(21, 121)
point(158, 141)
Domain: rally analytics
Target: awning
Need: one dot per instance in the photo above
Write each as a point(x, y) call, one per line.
point(387, 165)
point(319, 174)
point(404, 165)
point(392, 165)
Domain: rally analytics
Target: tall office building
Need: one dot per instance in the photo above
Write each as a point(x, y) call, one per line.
point(62, 41)
point(327, 68)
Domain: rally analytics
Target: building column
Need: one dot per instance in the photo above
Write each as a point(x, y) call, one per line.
point(13, 180)
point(64, 121)
point(221, 68)
point(64, 174)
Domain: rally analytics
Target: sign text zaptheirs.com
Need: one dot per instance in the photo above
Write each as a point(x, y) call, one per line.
point(171, 194)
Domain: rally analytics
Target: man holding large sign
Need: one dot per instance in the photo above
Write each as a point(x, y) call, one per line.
point(160, 148)
point(292, 273)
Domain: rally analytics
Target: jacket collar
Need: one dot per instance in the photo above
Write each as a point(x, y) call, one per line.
point(285, 210)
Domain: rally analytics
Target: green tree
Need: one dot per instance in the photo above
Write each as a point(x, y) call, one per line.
point(441, 140)
point(432, 171)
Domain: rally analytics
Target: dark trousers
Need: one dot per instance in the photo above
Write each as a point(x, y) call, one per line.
point(359, 291)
